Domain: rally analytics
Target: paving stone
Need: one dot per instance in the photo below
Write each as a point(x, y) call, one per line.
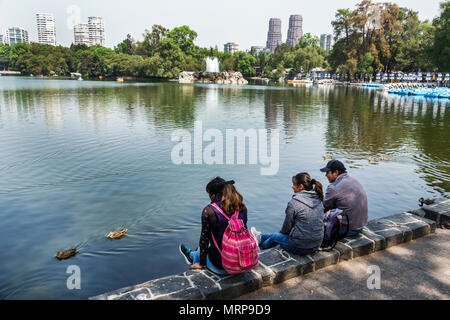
point(205, 284)
point(139, 294)
point(266, 273)
point(126, 296)
point(379, 240)
point(389, 230)
point(361, 245)
point(324, 259)
point(272, 256)
point(286, 270)
point(418, 227)
point(306, 263)
point(239, 284)
point(169, 284)
point(345, 251)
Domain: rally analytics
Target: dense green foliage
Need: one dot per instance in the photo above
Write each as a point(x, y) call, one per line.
point(384, 37)
point(372, 38)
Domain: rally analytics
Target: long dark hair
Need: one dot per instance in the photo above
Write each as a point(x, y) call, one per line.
point(305, 179)
point(231, 200)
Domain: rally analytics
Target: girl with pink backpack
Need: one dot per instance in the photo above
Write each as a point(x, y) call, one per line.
point(225, 246)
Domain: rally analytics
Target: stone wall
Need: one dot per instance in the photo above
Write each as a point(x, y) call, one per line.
point(277, 265)
point(234, 78)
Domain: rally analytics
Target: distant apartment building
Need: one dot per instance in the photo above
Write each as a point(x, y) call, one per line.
point(2, 39)
point(295, 31)
point(96, 28)
point(46, 28)
point(230, 47)
point(81, 34)
point(274, 37)
point(326, 41)
point(256, 50)
point(16, 35)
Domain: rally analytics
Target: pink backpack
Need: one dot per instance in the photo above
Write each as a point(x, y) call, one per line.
point(239, 248)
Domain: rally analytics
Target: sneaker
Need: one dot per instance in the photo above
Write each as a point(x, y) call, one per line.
point(186, 252)
point(256, 234)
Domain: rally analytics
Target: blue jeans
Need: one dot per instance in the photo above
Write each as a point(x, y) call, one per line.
point(195, 255)
point(271, 240)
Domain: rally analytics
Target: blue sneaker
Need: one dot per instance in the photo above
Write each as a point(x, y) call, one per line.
point(186, 252)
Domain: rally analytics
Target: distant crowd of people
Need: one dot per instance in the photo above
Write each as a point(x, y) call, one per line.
point(312, 217)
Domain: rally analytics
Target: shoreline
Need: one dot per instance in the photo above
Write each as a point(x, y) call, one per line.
point(277, 265)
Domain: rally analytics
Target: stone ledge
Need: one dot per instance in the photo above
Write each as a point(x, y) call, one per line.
point(439, 212)
point(277, 265)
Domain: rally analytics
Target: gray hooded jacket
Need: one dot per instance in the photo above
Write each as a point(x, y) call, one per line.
point(304, 220)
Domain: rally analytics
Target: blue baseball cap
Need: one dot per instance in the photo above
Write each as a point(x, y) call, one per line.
point(334, 165)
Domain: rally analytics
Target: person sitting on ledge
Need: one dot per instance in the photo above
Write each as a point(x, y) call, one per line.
point(224, 194)
point(302, 230)
point(347, 194)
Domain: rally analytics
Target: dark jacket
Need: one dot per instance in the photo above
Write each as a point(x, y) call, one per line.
point(304, 220)
point(347, 194)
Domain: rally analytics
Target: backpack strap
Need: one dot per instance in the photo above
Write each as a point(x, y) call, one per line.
point(236, 214)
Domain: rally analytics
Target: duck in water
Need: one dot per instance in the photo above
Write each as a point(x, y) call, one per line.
point(117, 234)
point(61, 255)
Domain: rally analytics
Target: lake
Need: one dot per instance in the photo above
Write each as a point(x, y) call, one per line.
point(82, 158)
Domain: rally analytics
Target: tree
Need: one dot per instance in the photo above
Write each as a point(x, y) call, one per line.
point(127, 46)
point(151, 40)
point(246, 65)
point(441, 48)
point(184, 37)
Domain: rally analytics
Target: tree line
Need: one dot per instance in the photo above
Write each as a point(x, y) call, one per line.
point(371, 38)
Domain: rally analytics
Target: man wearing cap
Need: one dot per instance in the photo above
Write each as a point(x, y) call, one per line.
point(347, 194)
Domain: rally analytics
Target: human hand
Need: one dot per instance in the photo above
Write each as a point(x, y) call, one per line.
point(196, 266)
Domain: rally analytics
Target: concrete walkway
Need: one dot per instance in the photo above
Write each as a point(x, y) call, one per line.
point(419, 269)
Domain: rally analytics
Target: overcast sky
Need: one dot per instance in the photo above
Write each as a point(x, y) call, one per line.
point(216, 22)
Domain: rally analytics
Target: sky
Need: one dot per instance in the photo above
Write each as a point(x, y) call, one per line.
point(216, 22)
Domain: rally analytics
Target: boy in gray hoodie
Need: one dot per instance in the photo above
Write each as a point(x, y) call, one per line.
point(302, 230)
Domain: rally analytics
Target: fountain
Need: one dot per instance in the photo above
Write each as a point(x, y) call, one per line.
point(212, 75)
point(212, 65)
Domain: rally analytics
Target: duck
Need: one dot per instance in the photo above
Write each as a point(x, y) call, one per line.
point(117, 234)
point(327, 156)
point(372, 160)
point(66, 254)
point(385, 158)
point(425, 201)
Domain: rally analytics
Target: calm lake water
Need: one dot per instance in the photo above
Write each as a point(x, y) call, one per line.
point(79, 159)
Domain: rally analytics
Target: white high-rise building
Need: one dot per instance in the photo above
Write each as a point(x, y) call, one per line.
point(16, 35)
point(231, 47)
point(46, 28)
point(81, 34)
point(96, 31)
point(326, 41)
point(2, 39)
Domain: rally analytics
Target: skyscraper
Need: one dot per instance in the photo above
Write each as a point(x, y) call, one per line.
point(81, 34)
point(295, 31)
point(326, 41)
point(274, 34)
point(16, 35)
point(46, 28)
point(96, 31)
